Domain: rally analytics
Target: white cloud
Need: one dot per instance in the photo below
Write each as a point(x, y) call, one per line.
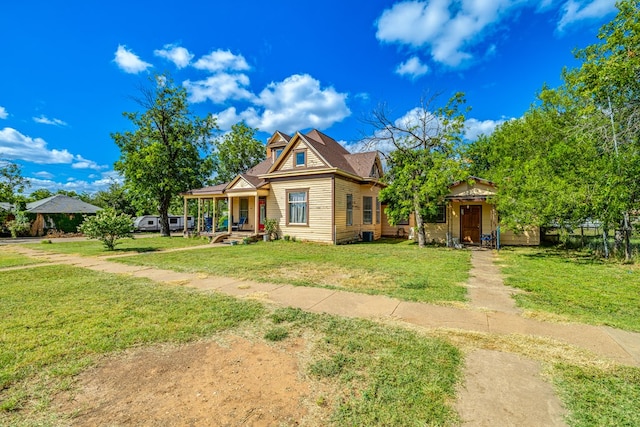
point(180, 56)
point(298, 102)
point(16, 146)
point(219, 88)
point(474, 127)
point(412, 68)
point(80, 162)
point(575, 11)
point(129, 62)
point(79, 186)
point(44, 174)
point(3, 113)
point(448, 29)
point(220, 60)
point(46, 121)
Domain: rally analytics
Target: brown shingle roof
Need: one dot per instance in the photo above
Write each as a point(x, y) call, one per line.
point(362, 163)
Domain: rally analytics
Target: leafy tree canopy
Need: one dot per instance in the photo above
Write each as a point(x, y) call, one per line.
point(164, 154)
point(424, 160)
point(12, 183)
point(237, 151)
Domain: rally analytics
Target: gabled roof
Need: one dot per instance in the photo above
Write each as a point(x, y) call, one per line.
point(60, 203)
point(274, 141)
point(333, 154)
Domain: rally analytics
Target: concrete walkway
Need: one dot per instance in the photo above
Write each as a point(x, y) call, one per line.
point(491, 310)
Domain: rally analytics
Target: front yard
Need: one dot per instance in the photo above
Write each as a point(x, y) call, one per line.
point(58, 321)
point(396, 268)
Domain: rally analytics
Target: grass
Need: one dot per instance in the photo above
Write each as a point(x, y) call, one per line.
point(13, 259)
point(388, 267)
point(574, 286)
point(386, 376)
point(599, 397)
point(54, 327)
point(129, 245)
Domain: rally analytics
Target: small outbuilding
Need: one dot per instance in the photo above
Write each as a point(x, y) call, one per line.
point(58, 212)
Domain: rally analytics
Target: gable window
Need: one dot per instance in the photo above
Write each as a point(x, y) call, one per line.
point(377, 211)
point(349, 209)
point(300, 158)
point(298, 207)
point(439, 217)
point(278, 151)
point(367, 210)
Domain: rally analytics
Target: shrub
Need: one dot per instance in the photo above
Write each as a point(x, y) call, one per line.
point(19, 225)
point(108, 227)
point(271, 228)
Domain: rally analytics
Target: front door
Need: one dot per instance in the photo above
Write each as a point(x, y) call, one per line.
point(470, 220)
point(262, 206)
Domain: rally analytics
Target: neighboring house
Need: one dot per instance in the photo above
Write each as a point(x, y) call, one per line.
point(4, 206)
point(59, 212)
point(466, 216)
point(310, 184)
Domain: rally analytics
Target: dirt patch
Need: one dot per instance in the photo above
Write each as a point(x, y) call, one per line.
point(204, 383)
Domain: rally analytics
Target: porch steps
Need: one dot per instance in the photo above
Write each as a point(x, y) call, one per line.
point(238, 239)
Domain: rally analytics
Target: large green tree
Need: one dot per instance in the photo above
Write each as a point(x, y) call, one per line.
point(237, 151)
point(165, 154)
point(424, 158)
point(608, 85)
point(539, 165)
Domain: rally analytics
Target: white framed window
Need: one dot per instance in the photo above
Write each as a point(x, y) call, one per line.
point(300, 157)
point(298, 207)
point(367, 210)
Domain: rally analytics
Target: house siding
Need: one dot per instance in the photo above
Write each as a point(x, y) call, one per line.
point(320, 190)
point(348, 233)
point(312, 159)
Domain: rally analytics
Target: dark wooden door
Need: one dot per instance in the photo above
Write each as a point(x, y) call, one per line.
point(470, 220)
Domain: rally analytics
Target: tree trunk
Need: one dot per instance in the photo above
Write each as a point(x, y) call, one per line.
point(419, 222)
point(605, 239)
point(617, 241)
point(164, 217)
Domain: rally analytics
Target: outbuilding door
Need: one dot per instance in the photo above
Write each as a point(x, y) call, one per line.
point(470, 220)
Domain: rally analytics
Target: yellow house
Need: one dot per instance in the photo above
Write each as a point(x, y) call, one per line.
point(467, 217)
point(311, 185)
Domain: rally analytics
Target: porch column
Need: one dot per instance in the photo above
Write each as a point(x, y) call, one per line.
point(199, 215)
point(214, 220)
point(229, 214)
point(256, 215)
point(184, 217)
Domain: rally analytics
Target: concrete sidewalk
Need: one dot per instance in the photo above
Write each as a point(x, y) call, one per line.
point(620, 346)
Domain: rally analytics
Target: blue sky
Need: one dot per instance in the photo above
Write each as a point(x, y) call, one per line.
point(68, 70)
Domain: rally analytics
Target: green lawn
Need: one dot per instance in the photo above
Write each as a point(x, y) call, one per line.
point(599, 397)
point(389, 267)
point(137, 244)
point(574, 286)
point(53, 328)
point(12, 259)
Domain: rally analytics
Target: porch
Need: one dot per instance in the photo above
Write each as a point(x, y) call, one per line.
point(229, 212)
